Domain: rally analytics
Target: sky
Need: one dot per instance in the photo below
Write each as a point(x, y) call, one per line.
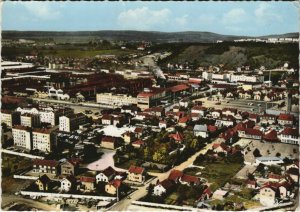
point(230, 18)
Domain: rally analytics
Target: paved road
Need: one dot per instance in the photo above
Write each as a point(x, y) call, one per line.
point(124, 204)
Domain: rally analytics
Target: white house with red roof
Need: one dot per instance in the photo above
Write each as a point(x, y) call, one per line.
point(285, 119)
point(289, 136)
point(136, 174)
point(162, 187)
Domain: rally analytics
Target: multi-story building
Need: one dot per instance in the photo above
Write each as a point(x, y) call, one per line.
point(10, 118)
point(22, 136)
point(43, 139)
point(115, 99)
point(30, 120)
point(48, 114)
point(148, 98)
point(285, 119)
point(45, 166)
point(70, 123)
point(290, 136)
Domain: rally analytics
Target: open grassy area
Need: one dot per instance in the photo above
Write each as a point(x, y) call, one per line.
point(220, 172)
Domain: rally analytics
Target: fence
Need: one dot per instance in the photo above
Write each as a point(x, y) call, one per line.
point(78, 196)
point(21, 154)
point(25, 177)
point(165, 206)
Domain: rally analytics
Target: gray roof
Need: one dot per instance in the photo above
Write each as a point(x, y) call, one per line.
point(202, 128)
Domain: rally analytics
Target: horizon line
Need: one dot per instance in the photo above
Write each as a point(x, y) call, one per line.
point(148, 31)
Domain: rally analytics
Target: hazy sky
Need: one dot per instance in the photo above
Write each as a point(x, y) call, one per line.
point(237, 18)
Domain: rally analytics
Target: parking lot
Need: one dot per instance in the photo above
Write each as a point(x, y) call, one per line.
point(253, 106)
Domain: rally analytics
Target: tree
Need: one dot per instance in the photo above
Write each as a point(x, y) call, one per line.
point(256, 153)
point(89, 151)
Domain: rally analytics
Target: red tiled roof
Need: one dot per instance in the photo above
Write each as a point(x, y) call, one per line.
point(175, 175)
point(190, 179)
point(184, 119)
point(87, 179)
point(115, 183)
point(108, 139)
point(138, 142)
point(177, 137)
point(199, 108)
point(177, 88)
point(136, 169)
point(52, 163)
point(211, 128)
point(251, 131)
point(106, 117)
point(271, 136)
point(290, 131)
point(253, 116)
point(166, 184)
point(138, 130)
point(286, 117)
point(274, 176)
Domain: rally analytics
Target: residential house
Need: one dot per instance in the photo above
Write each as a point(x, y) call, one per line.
point(43, 183)
point(221, 147)
point(195, 116)
point(183, 121)
point(207, 193)
point(220, 194)
point(199, 109)
point(225, 120)
point(45, 166)
point(251, 184)
point(177, 137)
point(271, 136)
point(69, 167)
point(285, 119)
point(162, 124)
point(269, 194)
point(189, 180)
point(109, 142)
point(268, 119)
point(128, 137)
point(138, 144)
point(106, 119)
point(254, 117)
point(136, 174)
point(68, 183)
point(138, 132)
point(201, 130)
point(216, 113)
point(274, 177)
point(290, 136)
point(88, 183)
point(175, 175)
point(113, 186)
point(106, 175)
point(229, 111)
point(163, 187)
